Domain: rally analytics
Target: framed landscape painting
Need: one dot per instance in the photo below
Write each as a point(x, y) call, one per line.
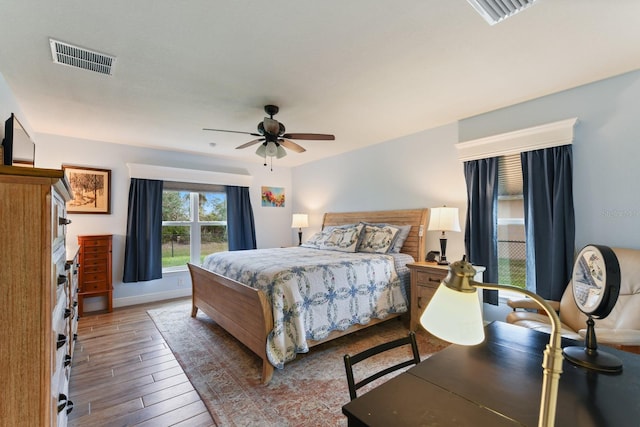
point(91, 190)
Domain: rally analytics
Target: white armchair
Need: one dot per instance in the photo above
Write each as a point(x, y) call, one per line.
point(620, 329)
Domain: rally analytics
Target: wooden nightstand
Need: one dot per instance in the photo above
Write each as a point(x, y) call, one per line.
point(425, 279)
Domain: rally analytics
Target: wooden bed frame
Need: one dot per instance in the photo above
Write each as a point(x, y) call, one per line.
point(246, 313)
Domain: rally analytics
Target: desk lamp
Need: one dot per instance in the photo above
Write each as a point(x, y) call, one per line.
point(443, 219)
point(300, 221)
point(453, 314)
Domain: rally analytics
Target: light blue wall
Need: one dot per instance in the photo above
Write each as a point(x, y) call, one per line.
point(415, 171)
point(606, 152)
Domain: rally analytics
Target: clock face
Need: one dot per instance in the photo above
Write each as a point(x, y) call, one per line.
point(596, 280)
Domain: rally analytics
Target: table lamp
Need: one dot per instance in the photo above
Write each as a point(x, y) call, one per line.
point(300, 221)
point(443, 219)
point(454, 315)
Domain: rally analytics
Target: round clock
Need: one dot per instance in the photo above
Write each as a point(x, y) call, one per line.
point(596, 280)
point(596, 285)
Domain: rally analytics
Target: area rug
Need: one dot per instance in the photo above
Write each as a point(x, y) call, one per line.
point(309, 391)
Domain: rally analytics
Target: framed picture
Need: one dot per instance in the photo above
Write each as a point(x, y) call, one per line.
point(272, 197)
point(91, 190)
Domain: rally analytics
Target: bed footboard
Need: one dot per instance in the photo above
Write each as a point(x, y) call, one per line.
point(242, 311)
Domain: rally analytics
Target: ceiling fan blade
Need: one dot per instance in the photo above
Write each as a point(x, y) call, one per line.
point(233, 131)
point(310, 136)
point(291, 145)
point(271, 126)
point(250, 143)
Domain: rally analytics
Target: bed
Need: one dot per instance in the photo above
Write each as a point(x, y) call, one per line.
point(257, 316)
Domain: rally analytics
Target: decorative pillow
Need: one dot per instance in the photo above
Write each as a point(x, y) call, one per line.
point(314, 241)
point(341, 238)
point(377, 238)
point(401, 238)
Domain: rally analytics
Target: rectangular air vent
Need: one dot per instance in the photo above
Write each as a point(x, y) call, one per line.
point(78, 57)
point(494, 11)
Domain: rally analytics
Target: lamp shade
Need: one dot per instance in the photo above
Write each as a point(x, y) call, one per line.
point(454, 316)
point(444, 219)
point(300, 221)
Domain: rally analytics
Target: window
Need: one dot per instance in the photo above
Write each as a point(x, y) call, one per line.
point(511, 231)
point(194, 223)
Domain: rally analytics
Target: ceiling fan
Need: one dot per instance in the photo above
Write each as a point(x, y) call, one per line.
point(271, 133)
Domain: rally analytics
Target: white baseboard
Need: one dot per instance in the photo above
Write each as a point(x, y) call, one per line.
point(98, 303)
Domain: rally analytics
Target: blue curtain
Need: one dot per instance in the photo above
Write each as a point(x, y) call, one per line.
point(143, 248)
point(549, 219)
point(481, 230)
point(241, 229)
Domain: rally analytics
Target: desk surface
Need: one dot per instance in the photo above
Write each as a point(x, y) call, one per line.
point(497, 383)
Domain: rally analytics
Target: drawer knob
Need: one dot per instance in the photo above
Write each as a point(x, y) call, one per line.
point(62, 279)
point(62, 339)
point(67, 360)
point(67, 312)
point(62, 401)
point(64, 221)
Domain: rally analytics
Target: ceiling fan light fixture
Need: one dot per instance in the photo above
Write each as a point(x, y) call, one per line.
point(262, 151)
point(281, 152)
point(271, 149)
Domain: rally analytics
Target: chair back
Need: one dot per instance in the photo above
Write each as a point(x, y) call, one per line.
point(349, 361)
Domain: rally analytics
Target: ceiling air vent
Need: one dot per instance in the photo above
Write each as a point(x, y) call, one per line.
point(79, 57)
point(494, 11)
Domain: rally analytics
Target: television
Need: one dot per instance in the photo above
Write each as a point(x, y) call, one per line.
point(18, 148)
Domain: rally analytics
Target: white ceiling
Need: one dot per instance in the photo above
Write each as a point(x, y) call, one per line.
point(365, 70)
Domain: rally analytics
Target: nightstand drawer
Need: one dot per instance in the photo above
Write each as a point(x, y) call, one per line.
point(430, 278)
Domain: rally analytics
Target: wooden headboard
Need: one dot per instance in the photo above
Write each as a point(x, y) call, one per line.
point(415, 245)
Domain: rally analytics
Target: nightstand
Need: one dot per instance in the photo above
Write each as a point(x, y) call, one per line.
point(425, 279)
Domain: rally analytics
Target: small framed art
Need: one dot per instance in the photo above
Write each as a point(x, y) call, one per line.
point(91, 190)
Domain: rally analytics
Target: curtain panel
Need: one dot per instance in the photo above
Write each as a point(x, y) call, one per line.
point(143, 247)
point(481, 229)
point(549, 219)
point(241, 229)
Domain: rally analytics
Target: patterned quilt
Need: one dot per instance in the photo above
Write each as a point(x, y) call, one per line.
point(314, 292)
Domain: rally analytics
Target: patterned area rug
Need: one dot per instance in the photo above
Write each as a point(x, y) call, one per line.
point(309, 391)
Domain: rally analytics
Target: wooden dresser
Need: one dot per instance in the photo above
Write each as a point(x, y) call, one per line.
point(38, 310)
point(95, 277)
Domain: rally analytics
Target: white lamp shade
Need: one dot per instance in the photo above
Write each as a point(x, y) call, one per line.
point(454, 316)
point(444, 219)
point(300, 221)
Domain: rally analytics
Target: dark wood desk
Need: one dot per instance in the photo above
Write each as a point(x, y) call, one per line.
point(498, 383)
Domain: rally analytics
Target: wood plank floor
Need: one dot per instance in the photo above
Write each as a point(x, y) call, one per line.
point(124, 374)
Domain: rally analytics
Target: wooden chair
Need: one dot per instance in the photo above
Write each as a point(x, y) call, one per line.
point(349, 361)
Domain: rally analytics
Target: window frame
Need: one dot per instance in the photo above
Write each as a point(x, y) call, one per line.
point(194, 224)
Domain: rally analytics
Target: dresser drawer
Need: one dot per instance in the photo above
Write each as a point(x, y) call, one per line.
point(101, 285)
point(95, 250)
point(93, 243)
point(95, 266)
point(95, 277)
